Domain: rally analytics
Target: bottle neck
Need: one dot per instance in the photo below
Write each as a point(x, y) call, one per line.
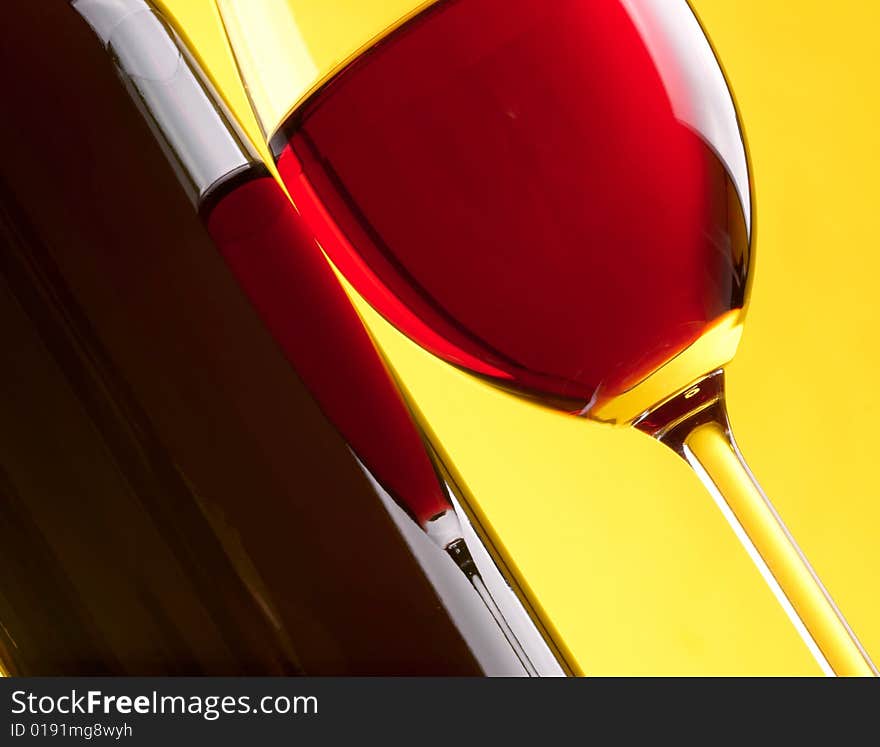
point(196, 130)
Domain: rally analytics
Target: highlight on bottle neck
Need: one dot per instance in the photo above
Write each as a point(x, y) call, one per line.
point(198, 134)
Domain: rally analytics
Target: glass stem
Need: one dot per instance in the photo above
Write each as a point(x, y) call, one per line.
point(695, 425)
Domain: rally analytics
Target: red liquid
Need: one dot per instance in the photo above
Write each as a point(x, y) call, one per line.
point(509, 184)
point(275, 259)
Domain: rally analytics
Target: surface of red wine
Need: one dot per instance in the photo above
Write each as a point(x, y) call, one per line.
point(172, 498)
point(275, 259)
point(550, 195)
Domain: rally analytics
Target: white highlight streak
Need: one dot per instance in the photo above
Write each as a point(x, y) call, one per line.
point(762, 567)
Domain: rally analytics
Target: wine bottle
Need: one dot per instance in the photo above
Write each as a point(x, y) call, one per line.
point(174, 499)
point(281, 268)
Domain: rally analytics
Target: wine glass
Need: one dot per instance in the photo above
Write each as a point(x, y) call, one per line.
point(554, 197)
point(271, 253)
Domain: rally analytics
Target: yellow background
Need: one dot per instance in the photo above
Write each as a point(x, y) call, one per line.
point(617, 539)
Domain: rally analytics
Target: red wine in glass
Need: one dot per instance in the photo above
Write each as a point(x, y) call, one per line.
point(531, 207)
point(555, 197)
point(280, 267)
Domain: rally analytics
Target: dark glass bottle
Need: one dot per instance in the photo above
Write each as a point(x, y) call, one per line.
point(173, 499)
